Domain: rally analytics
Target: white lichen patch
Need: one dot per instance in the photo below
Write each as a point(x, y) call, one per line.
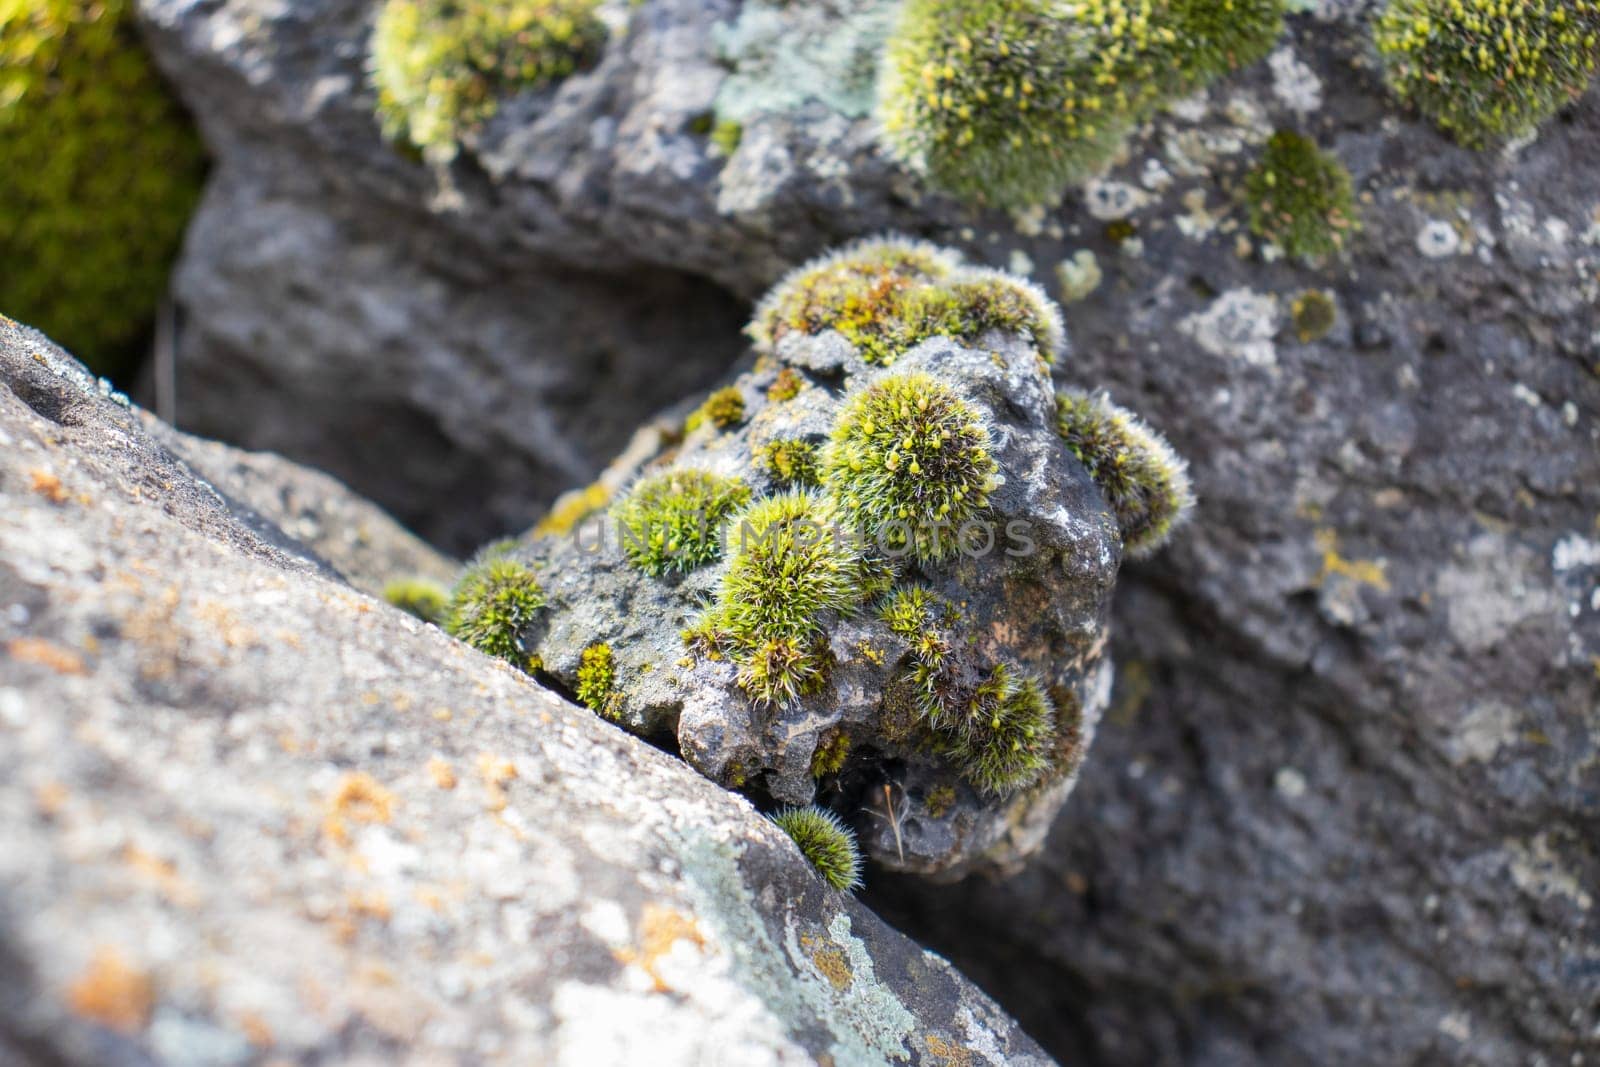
point(784, 55)
point(1197, 221)
point(1574, 551)
point(1484, 731)
point(1536, 868)
point(1294, 83)
point(597, 1026)
point(1495, 588)
point(1438, 239)
point(1111, 200)
point(1079, 276)
point(1240, 324)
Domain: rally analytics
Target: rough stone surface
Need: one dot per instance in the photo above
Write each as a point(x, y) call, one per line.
point(249, 814)
point(1043, 613)
point(1344, 806)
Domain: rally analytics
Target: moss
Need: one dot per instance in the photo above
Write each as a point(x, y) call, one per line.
point(887, 295)
point(833, 748)
point(495, 598)
point(826, 843)
point(1488, 70)
point(722, 409)
point(939, 800)
point(910, 461)
point(441, 66)
point(102, 171)
point(790, 462)
point(726, 135)
point(1144, 483)
point(572, 508)
point(790, 568)
point(1007, 102)
point(597, 681)
point(426, 600)
point(786, 386)
point(1314, 314)
point(672, 521)
point(1003, 739)
point(1300, 197)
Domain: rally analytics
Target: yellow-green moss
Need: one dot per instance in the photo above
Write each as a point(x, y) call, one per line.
point(886, 295)
point(597, 681)
point(1007, 102)
point(101, 172)
point(722, 409)
point(833, 748)
point(786, 386)
point(426, 600)
point(1143, 481)
point(1300, 197)
point(672, 521)
point(1488, 70)
point(573, 507)
point(496, 597)
point(825, 842)
point(441, 66)
point(790, 462)
point(1314, 314)
point(726, 135)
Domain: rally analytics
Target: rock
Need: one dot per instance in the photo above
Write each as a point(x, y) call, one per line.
point(1342, 805)
point(908, 700)
point(250, 813)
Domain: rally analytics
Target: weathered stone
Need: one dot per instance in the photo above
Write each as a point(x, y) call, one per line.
point(248, 813)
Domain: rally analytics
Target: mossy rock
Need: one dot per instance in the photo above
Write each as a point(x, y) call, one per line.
point(103, 170)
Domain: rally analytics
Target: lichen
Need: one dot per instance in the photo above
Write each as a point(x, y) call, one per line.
point(103, 170)
point(1144, 482)
point(1006, 102)
point(1313, 313)
point(1488, 70)
point(672, 521)
point(826, 843)
point(440, 67)
point(1300, 197)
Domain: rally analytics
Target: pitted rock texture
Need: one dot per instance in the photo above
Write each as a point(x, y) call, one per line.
point(1342, 808)
point(249, 814)
point(1037, 602)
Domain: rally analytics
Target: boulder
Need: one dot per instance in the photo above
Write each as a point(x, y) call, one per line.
point(251, 814)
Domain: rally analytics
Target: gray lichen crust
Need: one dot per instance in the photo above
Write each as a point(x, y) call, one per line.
point(916, 639)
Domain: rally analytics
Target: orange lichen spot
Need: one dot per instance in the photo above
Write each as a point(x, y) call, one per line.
point(1361, 571)
point(163, 874)
point(831, 961)
point(371, 904)
point(660, 928)
point(443, 775)
point(496, 772)
point(443, 714)
point(942, 1053)
point(357, 799)
point(256, 1030)
point(46, 654)
point(113, 993)
point(48, 486)
point(50, 798)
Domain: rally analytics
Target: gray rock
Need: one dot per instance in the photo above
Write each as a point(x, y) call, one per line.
point(1343, 808)
point(249, 814)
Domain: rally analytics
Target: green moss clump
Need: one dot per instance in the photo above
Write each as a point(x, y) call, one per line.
point(672, 521)
point(597, 681)
point(441, 66)
point(426, 600)
point(495, 598)
point(833, 748)
point(910, 461)
point(102, 172)
point(887, 295)
point(1007, 102)
point(722, 409)
point(1003, 738)
point(726, 135)
point(1488, 70)
point(1300, 197)
point(1143, 481)
point(790, 462)
point(1314, 314)
point(786, 386)
point(826, 843)
point(790, 568)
